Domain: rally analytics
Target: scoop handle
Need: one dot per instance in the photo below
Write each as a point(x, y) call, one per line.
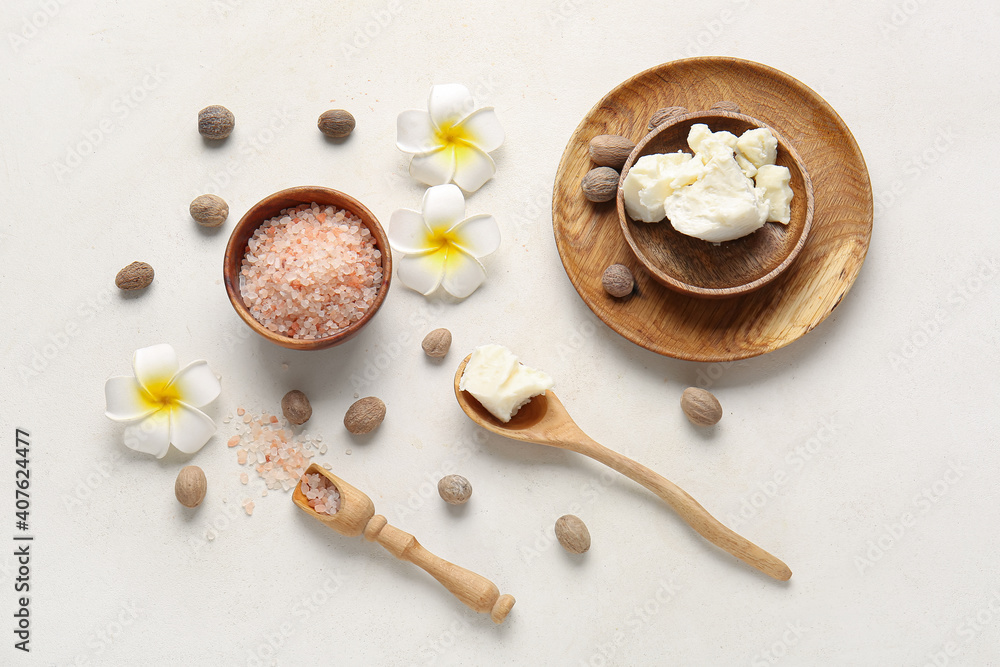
point(474, 590)
point(689, 509)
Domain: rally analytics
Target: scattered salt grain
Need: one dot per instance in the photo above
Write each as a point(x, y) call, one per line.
point(233, 441)
point(309, 273)
point(240, 411)
point(210, 536)
point(248, 506)
point(278, 455)
point(348, 452)
point(244, 478)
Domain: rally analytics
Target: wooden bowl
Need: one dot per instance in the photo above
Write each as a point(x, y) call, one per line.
point(701, 268)
point(272, 206)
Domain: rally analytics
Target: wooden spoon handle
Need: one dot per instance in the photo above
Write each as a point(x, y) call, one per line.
point(474, 590)
point(691, 511)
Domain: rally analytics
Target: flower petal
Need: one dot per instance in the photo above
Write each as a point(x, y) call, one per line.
point(415, 132)
point(196, 384)
point(483, 130)
point(151, 435)
point(155, 367)
point(449, 103)
point(443, 206)
point(435, 168)
point(127, 400)
point(422, 272)
point(463, 274)
point(479, 235)
point(190, 428)
point(473, 167)
point(408, 233)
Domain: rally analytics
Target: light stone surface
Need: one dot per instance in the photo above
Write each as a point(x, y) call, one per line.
point(864, 455)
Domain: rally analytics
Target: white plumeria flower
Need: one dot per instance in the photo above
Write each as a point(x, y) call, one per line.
point(162, 402)
point(450, 142)
point(440, 246)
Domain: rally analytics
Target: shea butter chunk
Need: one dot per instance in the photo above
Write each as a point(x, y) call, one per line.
point(500, 382)
point(773, 180)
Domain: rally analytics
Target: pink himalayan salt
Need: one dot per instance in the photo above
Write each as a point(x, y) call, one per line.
point(248, 506)
point(321, 494)
point(233, 441)
point(310, 272)
point(279, 456)
point(240, 411)
point(244, 478)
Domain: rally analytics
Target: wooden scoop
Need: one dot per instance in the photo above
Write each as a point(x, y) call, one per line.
point(545, 421)
point(357, 515)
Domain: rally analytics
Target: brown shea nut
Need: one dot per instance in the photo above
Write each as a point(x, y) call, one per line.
point(701, 407)
point(660, 116)
point(726, 105)
point(437, 343)
point(572, 534)
point(617, 280)
point(190, 486)
point(365, 415)
point(216, 122)
point(296, 408)
point(135, 276)
point(610, 150)
point(600, 184)
point(455, 489)
point(336, 123)
point(209, 210)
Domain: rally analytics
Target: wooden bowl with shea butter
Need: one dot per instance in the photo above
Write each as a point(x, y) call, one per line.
point(268, 208)
point(716, 270)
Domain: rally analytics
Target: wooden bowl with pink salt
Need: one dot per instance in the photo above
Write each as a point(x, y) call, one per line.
point(308, 267)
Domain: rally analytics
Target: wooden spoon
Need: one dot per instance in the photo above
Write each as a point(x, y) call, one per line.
point(357, 515)
point(545, 421)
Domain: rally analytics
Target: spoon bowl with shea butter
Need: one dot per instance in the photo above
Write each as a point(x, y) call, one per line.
point(545, 421)
point(724, 269)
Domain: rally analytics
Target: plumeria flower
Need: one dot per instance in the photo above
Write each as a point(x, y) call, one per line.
point(162, 402)
point(450, 141)
point(440, 246)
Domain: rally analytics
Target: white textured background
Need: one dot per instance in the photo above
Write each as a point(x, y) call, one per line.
point(905, 370)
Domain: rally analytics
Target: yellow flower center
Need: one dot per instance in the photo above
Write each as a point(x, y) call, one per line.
point(450, 134)
point(160, 393)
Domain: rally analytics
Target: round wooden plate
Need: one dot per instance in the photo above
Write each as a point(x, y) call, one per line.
point(589, 238)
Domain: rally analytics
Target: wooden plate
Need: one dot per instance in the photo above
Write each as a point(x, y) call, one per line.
point(589, 238)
